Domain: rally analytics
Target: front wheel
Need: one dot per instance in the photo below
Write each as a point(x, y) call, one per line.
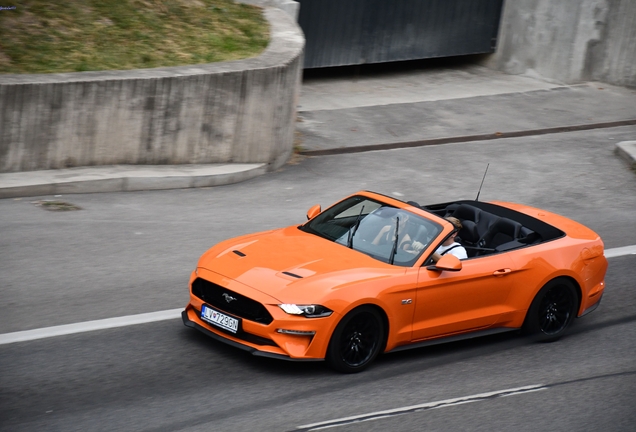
point(357, 340)
point(552, 311)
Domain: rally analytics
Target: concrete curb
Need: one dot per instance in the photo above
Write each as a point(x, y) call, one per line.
point(292, 7)
point(124, 178)
point(627, 150)
point(468, 138)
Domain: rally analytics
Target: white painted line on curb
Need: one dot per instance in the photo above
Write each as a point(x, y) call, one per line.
point(87, 326)
point(46, 332)
point(416, 408)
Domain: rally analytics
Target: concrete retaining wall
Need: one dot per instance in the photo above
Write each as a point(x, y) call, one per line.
point(290, 6)
point(569, 40)
point(241, 111)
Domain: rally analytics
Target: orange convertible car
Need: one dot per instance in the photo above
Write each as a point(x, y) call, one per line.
point(362, 278)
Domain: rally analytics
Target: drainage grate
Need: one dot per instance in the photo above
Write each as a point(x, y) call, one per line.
point(54, 205)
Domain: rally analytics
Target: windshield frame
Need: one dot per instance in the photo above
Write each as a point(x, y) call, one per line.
point(337, 223)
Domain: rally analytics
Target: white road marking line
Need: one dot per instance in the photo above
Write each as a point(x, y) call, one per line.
point(460, 403)
point(88, 326)
point(415, 408)
point(620, 251)
point(46, 332)
point(524, 391)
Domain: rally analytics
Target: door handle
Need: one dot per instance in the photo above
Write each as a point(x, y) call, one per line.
point(502, 272)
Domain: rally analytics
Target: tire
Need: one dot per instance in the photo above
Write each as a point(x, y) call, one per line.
point(357, 340)
point(552, 311)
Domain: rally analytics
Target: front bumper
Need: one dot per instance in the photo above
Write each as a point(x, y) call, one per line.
point(280, 346)
point(189, 323)
point(257, 335)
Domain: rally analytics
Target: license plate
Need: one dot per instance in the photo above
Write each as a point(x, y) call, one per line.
point(219, 319)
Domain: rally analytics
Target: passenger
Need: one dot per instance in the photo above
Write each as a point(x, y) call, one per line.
point(387, 233)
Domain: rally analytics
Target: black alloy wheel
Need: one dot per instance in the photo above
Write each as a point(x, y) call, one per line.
point(552, 310)
point(357, 340)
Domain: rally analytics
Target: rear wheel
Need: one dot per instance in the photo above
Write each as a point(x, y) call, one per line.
point(552, 310)
point(357, 340)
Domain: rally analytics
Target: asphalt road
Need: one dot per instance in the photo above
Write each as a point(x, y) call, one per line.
point(130, 253)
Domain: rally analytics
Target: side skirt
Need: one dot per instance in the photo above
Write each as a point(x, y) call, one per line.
point(592, 308)
point(454, 338)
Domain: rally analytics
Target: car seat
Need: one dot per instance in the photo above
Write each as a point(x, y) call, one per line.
point(502, 231)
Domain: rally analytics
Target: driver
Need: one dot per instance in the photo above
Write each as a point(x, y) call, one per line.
point(450, 246)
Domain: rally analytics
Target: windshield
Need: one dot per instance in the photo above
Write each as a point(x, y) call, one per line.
point(370, 226)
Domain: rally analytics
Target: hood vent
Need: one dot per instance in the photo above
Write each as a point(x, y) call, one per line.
point(292, 275)
point(239, 253)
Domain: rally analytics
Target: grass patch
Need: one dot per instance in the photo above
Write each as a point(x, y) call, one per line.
point(41, 36)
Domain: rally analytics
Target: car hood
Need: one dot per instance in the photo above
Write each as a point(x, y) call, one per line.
point(291, 265)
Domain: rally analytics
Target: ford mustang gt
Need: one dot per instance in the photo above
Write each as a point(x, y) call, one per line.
point(363, 277)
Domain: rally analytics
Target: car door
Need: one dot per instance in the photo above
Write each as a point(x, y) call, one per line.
point(473, 298)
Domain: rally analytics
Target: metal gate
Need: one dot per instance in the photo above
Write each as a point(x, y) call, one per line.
point(348, 32)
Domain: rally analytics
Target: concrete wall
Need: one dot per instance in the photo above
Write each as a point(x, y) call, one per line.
point(614, 59)
point(569, 40)
point(240, 111)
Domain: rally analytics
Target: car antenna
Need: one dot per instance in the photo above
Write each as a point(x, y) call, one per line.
point(482, 182)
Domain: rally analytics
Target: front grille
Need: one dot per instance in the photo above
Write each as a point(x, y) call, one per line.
point(243, 307)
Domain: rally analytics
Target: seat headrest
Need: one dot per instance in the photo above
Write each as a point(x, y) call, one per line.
point(469, 232)
point(467, 212)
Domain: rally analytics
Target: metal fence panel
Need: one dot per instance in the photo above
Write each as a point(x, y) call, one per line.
point(347, 32)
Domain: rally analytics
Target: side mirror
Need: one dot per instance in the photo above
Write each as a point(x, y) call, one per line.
point(446, 263)
point(313, 211)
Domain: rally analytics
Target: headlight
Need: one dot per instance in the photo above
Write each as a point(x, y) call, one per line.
point(310, 311)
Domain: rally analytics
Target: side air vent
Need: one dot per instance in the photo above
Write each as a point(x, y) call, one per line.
point(239, 253)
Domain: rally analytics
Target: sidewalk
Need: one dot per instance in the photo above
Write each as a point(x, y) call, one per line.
point(343, 113)
point(447, 105)
point(124, 178)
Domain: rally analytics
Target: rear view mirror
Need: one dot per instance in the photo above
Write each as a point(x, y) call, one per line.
point(313, 211)
point(446, 263)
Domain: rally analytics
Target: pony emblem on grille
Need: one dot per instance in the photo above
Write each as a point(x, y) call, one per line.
point(228, 298)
